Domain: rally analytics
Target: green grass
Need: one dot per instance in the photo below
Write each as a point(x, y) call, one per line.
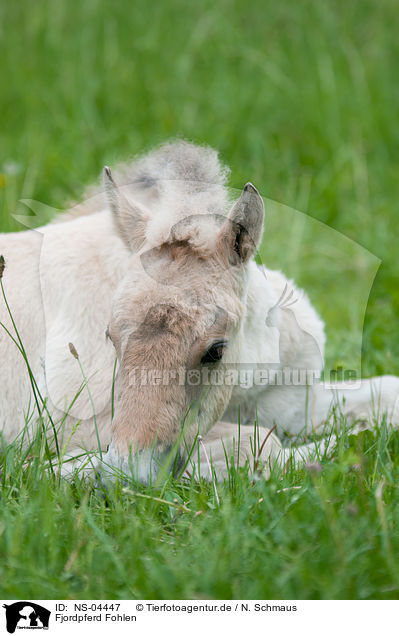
point(301, 99)
point(325, 532)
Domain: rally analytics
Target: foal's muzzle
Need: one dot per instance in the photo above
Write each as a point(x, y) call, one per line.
point(146, 466)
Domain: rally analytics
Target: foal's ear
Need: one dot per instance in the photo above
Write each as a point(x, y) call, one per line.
point(242, 231)
point(130, 220)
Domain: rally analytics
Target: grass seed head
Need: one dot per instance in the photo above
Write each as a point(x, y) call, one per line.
point(73, 351)
point(2, 266)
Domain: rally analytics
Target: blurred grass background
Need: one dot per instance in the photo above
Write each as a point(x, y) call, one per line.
point(301, 99)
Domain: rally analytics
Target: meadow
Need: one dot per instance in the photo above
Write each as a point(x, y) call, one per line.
point(302, 100)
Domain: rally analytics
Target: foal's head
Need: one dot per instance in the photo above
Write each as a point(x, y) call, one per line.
point(175, 327)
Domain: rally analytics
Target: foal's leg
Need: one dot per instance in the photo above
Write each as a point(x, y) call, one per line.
point(366, 402)
point(299, 409)
point(226, 444)
point(362, 405)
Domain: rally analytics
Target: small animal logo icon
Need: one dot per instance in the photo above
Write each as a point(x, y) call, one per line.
point(26, 615)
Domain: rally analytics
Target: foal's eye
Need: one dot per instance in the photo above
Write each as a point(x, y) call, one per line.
point(107, 335)
point(214, 353)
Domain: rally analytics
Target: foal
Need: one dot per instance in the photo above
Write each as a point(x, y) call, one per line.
point(161, 263)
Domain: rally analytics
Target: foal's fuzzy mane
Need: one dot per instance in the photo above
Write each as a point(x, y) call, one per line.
point(177, 173)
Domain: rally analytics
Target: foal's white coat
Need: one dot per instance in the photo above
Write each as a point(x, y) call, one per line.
point(60, 281)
